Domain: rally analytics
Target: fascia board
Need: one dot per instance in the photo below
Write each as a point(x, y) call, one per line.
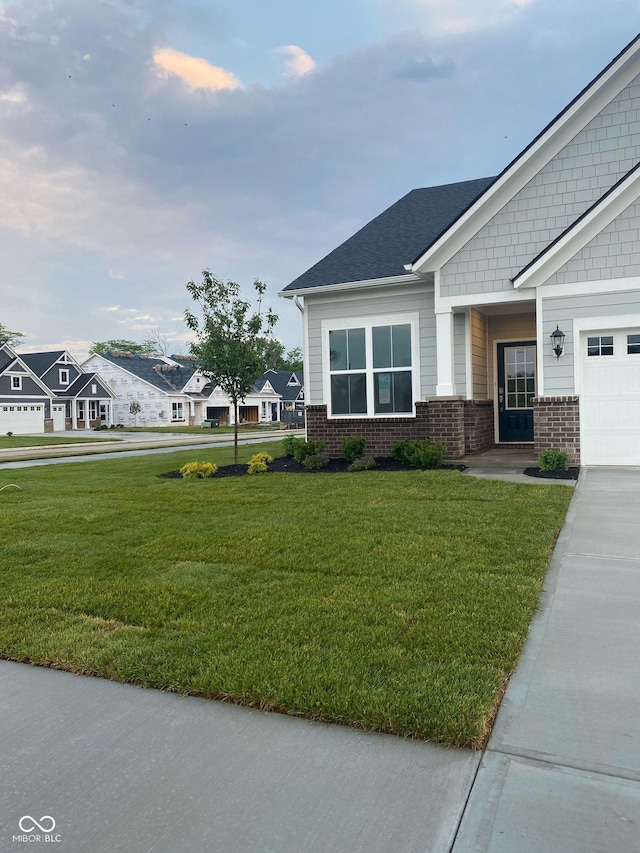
point(577, 236)
point(351, 285)
point(532, 160)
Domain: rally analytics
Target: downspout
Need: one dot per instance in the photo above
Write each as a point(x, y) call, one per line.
point(296, 300)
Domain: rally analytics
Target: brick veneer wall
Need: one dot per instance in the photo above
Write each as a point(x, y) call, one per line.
point(48, 424)
point(478, 425)
point(556, 426)
point(439, 419)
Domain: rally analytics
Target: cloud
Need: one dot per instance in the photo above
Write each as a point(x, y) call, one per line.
point(423, 69)
point(15, 95)
point(299, 62)
point(117, 275)
point(455, 17)
point(195, 73)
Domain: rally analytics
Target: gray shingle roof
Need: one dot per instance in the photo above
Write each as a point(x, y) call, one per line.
point(40, 362)
point(279, 380)
point(80, 383)
point(395, 237)
point(151, 370)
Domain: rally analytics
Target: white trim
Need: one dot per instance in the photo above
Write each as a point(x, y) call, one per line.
point(410, 278)
point(585, 288)
point(15, 376)
point(445, 355)
point(368, 323)
point(578, 236)
point(532, 160)
point(540, 348)
point(596, 324)
point(476, 300)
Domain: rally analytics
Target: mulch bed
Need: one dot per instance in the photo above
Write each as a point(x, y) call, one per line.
point(569, 474)
point(287, 465)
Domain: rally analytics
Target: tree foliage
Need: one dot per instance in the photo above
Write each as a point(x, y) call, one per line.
point(149, 347)
point(230, 337)
point(9, 337)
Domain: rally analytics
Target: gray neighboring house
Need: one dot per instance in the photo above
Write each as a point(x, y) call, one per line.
point(437, 318)
point(289, 384)
point(49, 392)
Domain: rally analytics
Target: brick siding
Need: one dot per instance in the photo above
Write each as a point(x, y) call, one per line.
point(439, 419)
point(556, 424)
point(478, 426)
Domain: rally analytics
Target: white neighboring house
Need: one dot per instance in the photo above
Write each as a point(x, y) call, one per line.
point(172, 391)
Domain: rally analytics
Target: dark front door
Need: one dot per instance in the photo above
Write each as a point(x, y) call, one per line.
point(516, 389)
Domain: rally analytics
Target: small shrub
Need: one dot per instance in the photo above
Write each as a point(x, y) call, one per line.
point(259, 463)
point(307, 448)
point(553, 460)
point(289, 443)
point(362, 463)
point(9, 434)
point(99, 427)
point(315, 461)
point(353, 448)
point(418, 454)
point(198, 470)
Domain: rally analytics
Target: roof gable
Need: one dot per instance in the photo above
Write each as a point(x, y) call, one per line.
point(163, 374)
point(41, 362)
point(552, 139)
point(382, 248)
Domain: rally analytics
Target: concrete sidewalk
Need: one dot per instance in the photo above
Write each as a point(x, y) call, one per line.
point(141, 771)
point(562, 770)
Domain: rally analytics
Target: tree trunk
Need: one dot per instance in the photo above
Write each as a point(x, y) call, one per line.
point(235, 431)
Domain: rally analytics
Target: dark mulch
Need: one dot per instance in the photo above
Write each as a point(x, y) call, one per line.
point(288, 465)
point(569, 474)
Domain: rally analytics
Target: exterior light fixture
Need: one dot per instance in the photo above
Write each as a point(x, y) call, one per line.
point(557, 341)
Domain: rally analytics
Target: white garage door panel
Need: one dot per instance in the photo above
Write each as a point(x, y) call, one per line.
point(21, 419)
point(58, 418)
point(610, 403)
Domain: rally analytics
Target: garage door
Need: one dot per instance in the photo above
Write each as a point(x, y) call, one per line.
point(610, 397)
point(21, 419)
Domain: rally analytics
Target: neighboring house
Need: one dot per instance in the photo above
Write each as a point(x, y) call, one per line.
point(290, 386)
point(436, 319)
point(49, 392)
point(172, 391)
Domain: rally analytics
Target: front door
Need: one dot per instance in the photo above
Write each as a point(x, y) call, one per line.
point(516, 389)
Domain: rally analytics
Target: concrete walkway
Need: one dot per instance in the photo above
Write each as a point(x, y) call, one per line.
point(507, 463)
point(562, 771)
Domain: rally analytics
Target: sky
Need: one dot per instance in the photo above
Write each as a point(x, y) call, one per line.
point(142, 141)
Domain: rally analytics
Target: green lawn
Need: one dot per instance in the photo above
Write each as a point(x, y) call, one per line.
point(396, 601)
point(9, 441)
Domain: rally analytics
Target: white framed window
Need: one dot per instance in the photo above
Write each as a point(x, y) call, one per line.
point(633, 344)
point(176, 412)
point(64, 376)
point(600, 345)
point(16, 383)
point(94, 388)
point(371, 366)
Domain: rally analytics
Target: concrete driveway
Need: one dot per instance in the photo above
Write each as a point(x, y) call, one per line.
point(562, 771)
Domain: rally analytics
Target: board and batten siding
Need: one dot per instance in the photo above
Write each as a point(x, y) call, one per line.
point(380, 302)
point(559, 373)
point(479, 333)
point(595, 159)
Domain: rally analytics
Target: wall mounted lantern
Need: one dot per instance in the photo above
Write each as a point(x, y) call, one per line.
point(557, 341)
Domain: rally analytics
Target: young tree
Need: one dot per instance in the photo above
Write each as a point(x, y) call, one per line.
point(135, 408)
point(293, 360)
point(8, 337)
point(228, 337)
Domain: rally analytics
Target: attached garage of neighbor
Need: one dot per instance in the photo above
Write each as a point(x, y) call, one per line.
point(609, 389)
point(21, 419)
